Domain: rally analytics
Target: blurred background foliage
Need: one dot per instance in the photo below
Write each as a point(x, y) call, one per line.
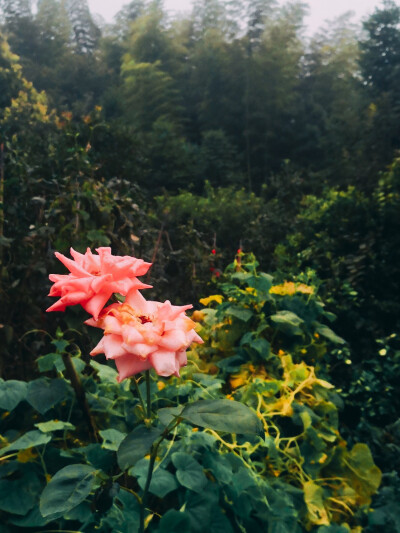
point(183, 139)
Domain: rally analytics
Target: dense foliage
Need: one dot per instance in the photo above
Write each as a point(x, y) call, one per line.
point(262, 342)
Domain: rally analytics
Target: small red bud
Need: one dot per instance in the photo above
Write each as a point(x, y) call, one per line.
point(217, 274)
point(213, 251)
point(212, 269)
point(239, 251)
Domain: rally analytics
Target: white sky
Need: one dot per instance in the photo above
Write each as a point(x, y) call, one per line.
point(320, 10)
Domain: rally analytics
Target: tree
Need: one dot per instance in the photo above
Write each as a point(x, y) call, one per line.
point(380, 67)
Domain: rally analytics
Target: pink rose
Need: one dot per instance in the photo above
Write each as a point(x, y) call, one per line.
point(141, 334)
point(94, 278)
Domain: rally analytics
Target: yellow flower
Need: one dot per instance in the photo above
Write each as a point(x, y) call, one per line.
point(160, 385)
point(305, 289)
point(213, 298)
point(287, 288)
point(26, 456)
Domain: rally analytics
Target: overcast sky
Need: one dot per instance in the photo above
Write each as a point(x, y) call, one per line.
point(320, 10)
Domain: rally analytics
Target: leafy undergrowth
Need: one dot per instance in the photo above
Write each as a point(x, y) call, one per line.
point(264, 347)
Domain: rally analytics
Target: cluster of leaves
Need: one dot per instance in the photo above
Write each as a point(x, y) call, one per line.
point(279, 466)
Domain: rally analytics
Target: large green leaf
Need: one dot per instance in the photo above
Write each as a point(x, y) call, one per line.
point(18, 496)
point(189, 472)
point(67, 489)
point(223, 415)
point(287, 322)
point(32, 519)
point(30, 439)
point(44, 393)
point(136, 445)
point(11, 393)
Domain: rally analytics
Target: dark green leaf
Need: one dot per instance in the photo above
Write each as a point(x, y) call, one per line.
point(67, 489)
point(167, 414)
point(11, 393)
point(329, 334)
point(223, 415)
point(49, 361)
point(112, 438)
point(189, 472)
point(136, 445)
point(44, 393)
point(287, 322)
point(20, 495)
point(240, 313)
point(174, 522)
point(162, 481)
point(30, 439)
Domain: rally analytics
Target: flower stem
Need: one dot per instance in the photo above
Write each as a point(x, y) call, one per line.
point(146, 487)
point(153, 455)
point(148, 394)
point(139, 394)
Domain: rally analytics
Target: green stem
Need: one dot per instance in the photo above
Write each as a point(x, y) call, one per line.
point(148, 394)
point(139, 394)
point(146, 487)
point(154, 450)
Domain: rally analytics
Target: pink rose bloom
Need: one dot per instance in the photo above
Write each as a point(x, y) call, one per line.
point(94, 278)
point(141, 334)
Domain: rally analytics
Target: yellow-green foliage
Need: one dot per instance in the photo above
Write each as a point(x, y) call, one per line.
point(262, 340)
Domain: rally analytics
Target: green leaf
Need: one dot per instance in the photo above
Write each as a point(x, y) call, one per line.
point(30, 439)
point(260, 345)
point(66, 490)
point(49, 361)
point(32, 519)
point(105, 372)
point(362, 471)
point(329, 334)
point(167, 414)
point(162, 481)
point(239, 312)
point(54, 425)
point(136, 445)
point(174, 522)
point(223, 415)
point(44, 393)
point(314, 498)
point(112, 438)
point(287, 322)
point(189, 472)
point(11, 393)
point(19, 495)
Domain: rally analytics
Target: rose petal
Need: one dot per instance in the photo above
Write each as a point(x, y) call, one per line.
point(164, 362)
point(129, 365)
point(173, 340)
point(96, 304)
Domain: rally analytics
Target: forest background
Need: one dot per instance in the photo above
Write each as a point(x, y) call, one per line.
point(184, 139)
